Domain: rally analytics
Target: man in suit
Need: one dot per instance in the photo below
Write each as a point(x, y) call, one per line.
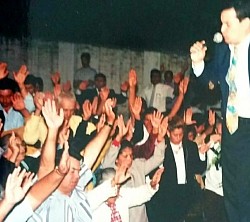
point(232, 57)
point(177, 186)
point(101, 85)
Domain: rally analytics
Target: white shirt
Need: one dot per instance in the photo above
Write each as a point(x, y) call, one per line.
point(180, 162)
point(213, 179)
point(161, 93)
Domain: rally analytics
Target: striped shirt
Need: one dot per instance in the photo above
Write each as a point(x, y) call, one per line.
point(63, 208)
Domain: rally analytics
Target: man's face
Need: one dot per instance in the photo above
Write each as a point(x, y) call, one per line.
point(125, 158)
point(100, 83)
point(232, 29)
point(71, 179)
point(30, 88)
point(176, 136)
point(5, 98)
point(68, 106)
point(155, 78)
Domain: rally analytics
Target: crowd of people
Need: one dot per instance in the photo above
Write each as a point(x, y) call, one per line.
point(69, 154)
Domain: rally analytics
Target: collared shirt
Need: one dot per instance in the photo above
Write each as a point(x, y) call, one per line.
point(161, 92)
point(180, 162)
point(63, 208)
point(13, 119)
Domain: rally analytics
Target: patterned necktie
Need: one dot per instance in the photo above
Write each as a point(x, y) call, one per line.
point(231, 112)
point(115, 215)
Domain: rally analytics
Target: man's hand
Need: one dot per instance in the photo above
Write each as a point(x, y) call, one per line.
point(109, 112)
point(39, 100)
point(83, 85)
point(156, 120)
point(21, 75)
point(51, 117)
point(18, 102)
point(66, 86)
point(157, 177)
point(56, 78)
point(104, 93)
point(18, 183)
point(132, 78)
point(162, 129)
point(198, 52)
point(188, 117)
point(122, 128)
point(3, 70)
point(87, 110)
point(64, 164)
point(121, 175)
point(136, 108)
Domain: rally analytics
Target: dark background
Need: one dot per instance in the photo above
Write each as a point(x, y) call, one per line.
point(162, 25)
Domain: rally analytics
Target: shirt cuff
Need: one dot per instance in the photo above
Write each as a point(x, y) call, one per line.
point(198, 68)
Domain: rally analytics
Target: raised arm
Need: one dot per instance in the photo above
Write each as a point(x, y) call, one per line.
point(94, 147)
point(54, 121)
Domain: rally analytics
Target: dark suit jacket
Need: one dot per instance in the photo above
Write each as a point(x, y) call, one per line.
point(216, 70)
point(168, 198)
point(89, 94)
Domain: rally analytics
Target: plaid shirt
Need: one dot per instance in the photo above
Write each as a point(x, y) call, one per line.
point(115, 215)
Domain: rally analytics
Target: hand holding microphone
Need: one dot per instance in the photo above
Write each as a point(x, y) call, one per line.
point(198, 49)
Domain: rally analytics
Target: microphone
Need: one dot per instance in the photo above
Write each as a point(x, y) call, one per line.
point(218, 38)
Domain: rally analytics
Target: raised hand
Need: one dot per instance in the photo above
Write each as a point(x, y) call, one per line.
point(17, 185)
point(21, 74)
point(3, 70)
point(51, 117)
point(122, 128)
point(64, 164)
point(104, 93)
point(87, 110)
point(157, 177)
point(121, 175)
point(83, 85)
point(211, 117)
point(188, 117)
point(94, 105)
point(56, 78)
point(109, 111)
point(39, 100)
point(63, 135)
point(183, 85)
point(101, 122)
point(57, 90)
point(198, 52)
point(18, 101)
point(162, 129)
point(66, 86)
point(132, 78)
point(156, 119)
point(136, 108)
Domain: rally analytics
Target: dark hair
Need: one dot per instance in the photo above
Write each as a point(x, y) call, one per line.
point(10, 84)
point(124, 144)
point(30, 79)
point(176, 123)
point(147, 111)
point(155, 71)
point(100, 75)
point(169, 72)
point(39, 84)
point(104, 174)
point(85, 55)
point(242, 8)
